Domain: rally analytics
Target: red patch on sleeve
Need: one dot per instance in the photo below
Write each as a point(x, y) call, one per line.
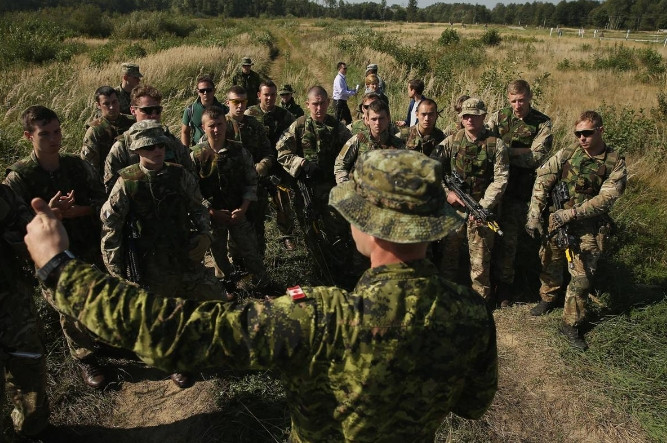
point(296, 293)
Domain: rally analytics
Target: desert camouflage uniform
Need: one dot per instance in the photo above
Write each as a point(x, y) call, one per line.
point(293, 108)
point(319, 143)
point(225, 181)
point(534, 132)
point(357, 145)
point(484, 166)
point(124, 99)
point(250, 83)
point(28, 180)
point(25, 377)
point(594, 183)
point(120, 155)
point(100, 135)
point(420, 143)
point(165, 204)
point(276, 122)
point(252, 134)
point(386, 362)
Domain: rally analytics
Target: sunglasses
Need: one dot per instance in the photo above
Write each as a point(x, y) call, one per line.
point(205, 90)
point(585, 132)
point(365, 106)
point(152, 148)
point(235, 102)
point(149, 110)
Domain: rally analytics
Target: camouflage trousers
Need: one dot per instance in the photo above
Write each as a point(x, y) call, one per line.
point(284, 213)
point(256, 216)
point(512, 221)
point(245, 246)
point(584, 263)
point(24, 376)
point(480, 246)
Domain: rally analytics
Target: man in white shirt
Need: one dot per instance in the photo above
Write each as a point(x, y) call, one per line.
point(341, 94)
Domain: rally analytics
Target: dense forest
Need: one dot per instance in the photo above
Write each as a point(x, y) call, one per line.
point(610, 14)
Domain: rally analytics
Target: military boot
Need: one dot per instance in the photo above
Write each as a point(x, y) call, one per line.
point(504, 295)
point(574, 336)
point(542, 308)
point(92, 373)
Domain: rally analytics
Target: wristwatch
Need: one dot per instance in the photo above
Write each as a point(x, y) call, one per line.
point(46, 272)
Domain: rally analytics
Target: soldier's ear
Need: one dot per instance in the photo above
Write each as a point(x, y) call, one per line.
point(27, 135)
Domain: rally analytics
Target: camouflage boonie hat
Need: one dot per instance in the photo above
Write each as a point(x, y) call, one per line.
point(146, 133)
point(131, 69)
point(371, 67)
point(286, 89)
point(246, 61)
point(472, 106)
point(396, 195)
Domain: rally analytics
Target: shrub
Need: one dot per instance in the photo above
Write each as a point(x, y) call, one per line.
point(619, 58)
point(134, 51)
point(491, 37)
point(449, 37)
point(153, 25)
point(564, 65)
point(31, 41)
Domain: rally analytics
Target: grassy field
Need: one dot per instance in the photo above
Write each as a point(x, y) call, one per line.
point(623, 377)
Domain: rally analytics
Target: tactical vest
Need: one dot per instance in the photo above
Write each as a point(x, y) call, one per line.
point(584, 175)
point(247, 133)
point(271, 120)
point(319, 143)
point(474, 162)
point(424, 144)
point(222, 180)
point(159, 205)
point(517, 133)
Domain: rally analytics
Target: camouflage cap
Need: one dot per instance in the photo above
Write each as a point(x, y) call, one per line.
point(472, 106)
point(286, 89)
point(396, 195)
point(131, 69)
point(246, 61)
point(372, 67)
point(146, 133)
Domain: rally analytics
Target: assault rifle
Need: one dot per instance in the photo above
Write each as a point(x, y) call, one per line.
point(133, 235)
point(314, 231)
point(480, 214)
point(564, 240)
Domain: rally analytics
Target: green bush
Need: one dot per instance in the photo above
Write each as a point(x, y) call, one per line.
point(565, 65)
point(134, 51)
point(32, 41)
point(491, 37)
point(89, 20)
point(102, 55)
point(145, 25)
point(619, 58)
point(449, 37)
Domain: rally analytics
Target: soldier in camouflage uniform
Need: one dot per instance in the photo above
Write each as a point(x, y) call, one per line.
point(252, 134)
point(145, 107)
point(130, 80)
point(307, 151)
point(595, 176)
point(276, 120)
point(101, 133)
point(22, 359)
point(228, 183)
point(386, 362)
point(424, 136)
point(527, 134)
point(481, 160)
point(161, 201)
point(248, 80)
point(70, 185)
point(287, 101)
point(377, 137)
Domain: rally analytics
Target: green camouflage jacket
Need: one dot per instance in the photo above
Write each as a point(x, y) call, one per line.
point(421, 143)
point(120, 157)
point(250, 83)
point(386, 362)
point(293, 108)
point(252, 134)
point(124, 99)
point(100, 136)
point(594, 183)
point(357, 145)
point(275, 121)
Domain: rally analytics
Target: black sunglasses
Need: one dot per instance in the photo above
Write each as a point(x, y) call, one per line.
point(153, 147)
point(149, 110)
point(205, 90)
point(585, 132)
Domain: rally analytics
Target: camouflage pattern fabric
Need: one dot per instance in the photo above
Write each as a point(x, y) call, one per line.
point(250, 83)
point(512, 220)
point(452, 128)
point(25, 377)
point(225, 181)
point(100, 136)
point(604, 178)
point(165, 204)
point(275, 121)
point(415, 141)
point(120, 155)
point(357, 145)
point(293, 108)
point(355, 365)
point(124, 99)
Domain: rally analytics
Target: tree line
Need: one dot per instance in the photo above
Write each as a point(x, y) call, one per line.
point(610, 14)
